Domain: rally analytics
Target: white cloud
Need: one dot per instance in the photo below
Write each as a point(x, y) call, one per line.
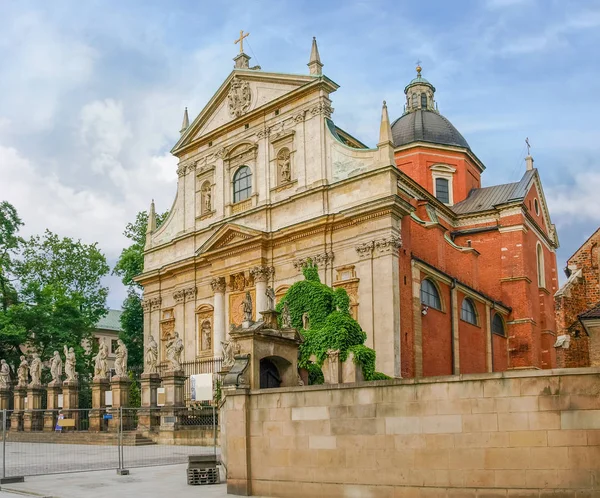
point(577, 201)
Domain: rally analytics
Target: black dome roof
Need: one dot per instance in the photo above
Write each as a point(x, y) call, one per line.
point(426, 126)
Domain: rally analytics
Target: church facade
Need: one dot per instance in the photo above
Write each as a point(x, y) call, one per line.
point(443, 275)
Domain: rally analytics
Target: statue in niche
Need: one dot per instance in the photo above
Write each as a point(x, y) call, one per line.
point(151, 355)
point(247, 306)
point(70, 363)
point(228, 355)
point(121, 359)
point(23, 372)
point(270, 293)
point(206, 198)
point(286, 317)
point(56, 368)
point(35, 371)
point(100, 361)
point(206, 336)
point(174, 350)
point(4, 375)
point(305, 321)
point(284, 165)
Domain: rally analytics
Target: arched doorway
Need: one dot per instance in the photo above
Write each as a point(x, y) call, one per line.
point(269, 374)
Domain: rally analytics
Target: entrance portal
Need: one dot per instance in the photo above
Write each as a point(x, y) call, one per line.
point(269, 374)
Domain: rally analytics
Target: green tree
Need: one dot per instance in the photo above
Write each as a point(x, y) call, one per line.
point(129, 265)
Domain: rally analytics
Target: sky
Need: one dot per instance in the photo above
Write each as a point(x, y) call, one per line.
point(92, 94)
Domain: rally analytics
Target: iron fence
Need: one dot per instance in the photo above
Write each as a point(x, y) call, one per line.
point(36, 442)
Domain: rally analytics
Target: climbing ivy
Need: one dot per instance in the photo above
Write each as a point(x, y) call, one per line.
point(331, 325)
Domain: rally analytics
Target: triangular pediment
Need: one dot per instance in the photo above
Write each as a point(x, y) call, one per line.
point(242, 93)
point(229, 235)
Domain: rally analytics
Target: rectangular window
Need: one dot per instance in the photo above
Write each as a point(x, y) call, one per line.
point(113, 345)
point(441, 190)
point(423, 101)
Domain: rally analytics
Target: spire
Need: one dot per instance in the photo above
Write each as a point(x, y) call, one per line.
point(314, 64)
point(186, 122)
point(151, 225)
point(385, 130)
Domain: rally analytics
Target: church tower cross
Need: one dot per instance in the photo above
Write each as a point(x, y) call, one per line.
point(240, 40)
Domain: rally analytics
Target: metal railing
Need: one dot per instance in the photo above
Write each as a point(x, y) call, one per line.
point(36, 442)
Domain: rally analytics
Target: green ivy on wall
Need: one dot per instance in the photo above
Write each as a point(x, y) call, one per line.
point(330, 325)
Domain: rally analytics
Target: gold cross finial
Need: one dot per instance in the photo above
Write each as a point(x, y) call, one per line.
point(240, 40)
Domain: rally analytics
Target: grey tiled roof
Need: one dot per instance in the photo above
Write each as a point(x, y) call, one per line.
point(112, 321)
point(483, 199)
point(591, 313)
point(426, 126)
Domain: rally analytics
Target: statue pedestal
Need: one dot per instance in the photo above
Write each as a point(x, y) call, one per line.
point(16, 418)
point(120, 399)
point(33, 418)
point(51, 413)
point(332, 370)
point(173, 383)
point(5, 395)
point(149, 415)
point(71, 400)
point(99, 388)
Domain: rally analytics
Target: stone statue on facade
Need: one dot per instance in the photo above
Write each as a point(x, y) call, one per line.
point(206, 336)
point(207, 200)
point(70, 363)
point(56, 368)
point(270, 298)
point(151, 359)
point(101, 361)
point(228, 355)
point(23, 372)
point(174, 350)
point(285, 166)
point(4, 375)
point(35, 370)
point(286, 317)
point(305, 321)
point(247, 306)
point(121, 359)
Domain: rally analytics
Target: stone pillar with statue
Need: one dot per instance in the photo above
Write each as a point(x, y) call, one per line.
point(148, 415)
point(71, 388)
point(54, 390)
point(33, 417)
point(5, 385)
point(119, 383)
point(20, 394)
point(262, 275)
point(100, 386)
point(173, 381)
point(218, 287)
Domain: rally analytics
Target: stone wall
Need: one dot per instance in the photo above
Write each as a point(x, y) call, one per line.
point(505, 434)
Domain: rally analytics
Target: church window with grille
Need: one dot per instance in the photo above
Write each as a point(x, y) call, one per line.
point(430, 295)
point(540, 266)
point(415, 100)
point(467, 311)
point(442, 191)
point(498, 325)
point(423, 101)
point(242, 184)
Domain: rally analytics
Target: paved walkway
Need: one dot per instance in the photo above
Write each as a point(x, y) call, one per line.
point(159, 482)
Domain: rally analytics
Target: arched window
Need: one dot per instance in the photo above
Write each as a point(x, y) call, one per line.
point(468, 312)
point(442, 192)
point(430, 295)
point(242, 184)
point(498, 325)
point(423, 101)
point(540, 266)
point(415, 100)
point(536, 205)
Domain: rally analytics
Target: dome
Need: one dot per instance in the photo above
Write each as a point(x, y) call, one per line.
point(422, 125)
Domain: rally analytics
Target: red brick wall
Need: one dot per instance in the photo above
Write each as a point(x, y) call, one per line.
point(472, 340)
point(437, 337)
point(499, 353)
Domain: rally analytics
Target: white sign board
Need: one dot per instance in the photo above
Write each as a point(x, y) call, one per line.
point(60, 400)
point(202, 387)
point(108, 398)
point(160, 396)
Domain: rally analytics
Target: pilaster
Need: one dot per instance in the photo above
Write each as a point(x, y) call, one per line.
point(218, 286)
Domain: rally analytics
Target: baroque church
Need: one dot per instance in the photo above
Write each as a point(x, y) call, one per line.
point(444, 276)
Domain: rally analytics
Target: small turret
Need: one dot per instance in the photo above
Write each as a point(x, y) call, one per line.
point(151, 225)
point(186, 122)
point(314, 64)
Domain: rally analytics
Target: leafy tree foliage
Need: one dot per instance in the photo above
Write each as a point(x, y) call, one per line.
point(129, 265)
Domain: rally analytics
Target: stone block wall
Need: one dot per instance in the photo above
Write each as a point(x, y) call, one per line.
point(519, 433)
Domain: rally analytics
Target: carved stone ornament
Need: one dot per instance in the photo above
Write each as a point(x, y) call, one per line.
point(239, 97)
point(265, 132)
point(222, 152)
point(298, 118)
point(365, 250)
point(322, 108)
point(155, 303)
point(262, 273)
point(146, 305)
point(284, 165)
point(186, 294)
point(321, 260)
point(390, 244)
point(218, 284)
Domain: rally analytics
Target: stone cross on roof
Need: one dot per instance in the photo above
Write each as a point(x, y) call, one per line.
point(240, 40)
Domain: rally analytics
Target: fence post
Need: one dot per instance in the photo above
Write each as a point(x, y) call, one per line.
point(214, 428)
point(121, 470)
point(3, 443)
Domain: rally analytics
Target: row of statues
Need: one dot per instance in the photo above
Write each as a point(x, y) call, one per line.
point(101, 360)
point(174, 348)
point(34, 369)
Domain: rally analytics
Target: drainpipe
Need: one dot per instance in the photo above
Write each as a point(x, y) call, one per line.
point(452, 328)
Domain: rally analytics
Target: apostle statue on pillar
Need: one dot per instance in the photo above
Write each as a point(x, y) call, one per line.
point(70, 363)
point(23, 372)
point(151, 357)
point(101, 361)
point(247, 306)
point(121, 359)
point(36, 371)
point(286, 317)
point(174, 350)
point(228, 356)
point(270, 298)
point(56, 368)
point(4, 375)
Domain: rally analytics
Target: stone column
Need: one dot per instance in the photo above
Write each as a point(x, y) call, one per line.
point(261, 274)
point(218, 287)
point(50, 415)
point(5, 394)
point(332, 371)
point(33, 418)
point(173, 382)
point(149, 415)
point(99, 388)
point(120, 399)
point(16, 419)
point(71, 400)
